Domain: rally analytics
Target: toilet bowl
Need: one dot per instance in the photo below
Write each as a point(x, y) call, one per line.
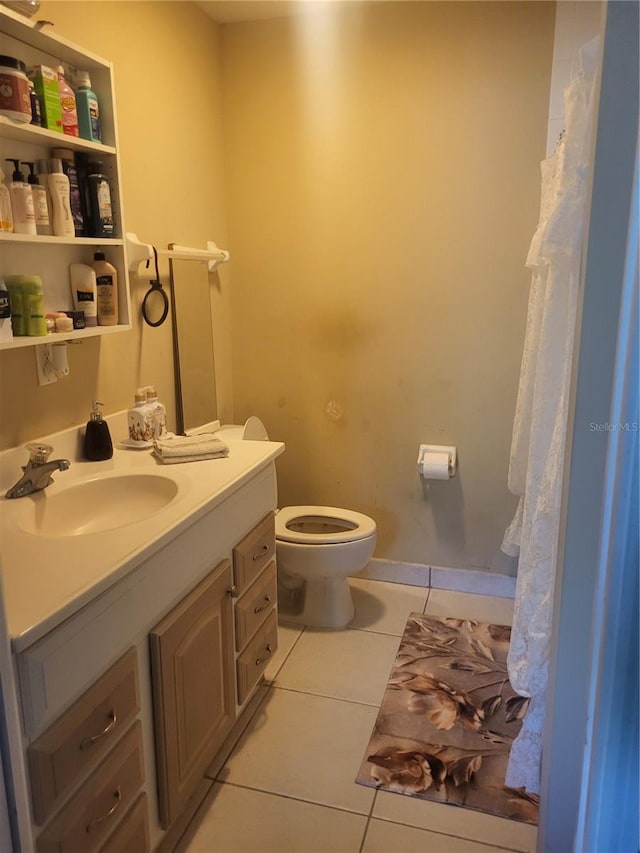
point(317, 548)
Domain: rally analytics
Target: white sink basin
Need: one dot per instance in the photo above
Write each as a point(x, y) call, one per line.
point(94, 506)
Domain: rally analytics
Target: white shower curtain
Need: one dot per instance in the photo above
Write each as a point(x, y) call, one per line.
point(539, 430)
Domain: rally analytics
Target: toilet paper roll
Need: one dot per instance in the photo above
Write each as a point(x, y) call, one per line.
point(435, 466)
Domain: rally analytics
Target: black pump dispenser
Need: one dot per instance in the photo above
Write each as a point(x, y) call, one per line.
point(97, 438)
point(32, 178)
point(17, 174)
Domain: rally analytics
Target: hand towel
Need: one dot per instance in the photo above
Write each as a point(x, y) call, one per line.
point(189, 448)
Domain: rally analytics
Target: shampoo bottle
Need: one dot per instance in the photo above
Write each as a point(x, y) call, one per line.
point(99, 199)
point(84, 292)
point(24, 217)
point(68, 104)
point(88, 108)
point(67, 161)
point(58, 185)
point(97, 438)
point(40, 204)
point(6, 217)
point(107, 284)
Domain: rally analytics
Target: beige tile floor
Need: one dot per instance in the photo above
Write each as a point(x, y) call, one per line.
point(288, 786)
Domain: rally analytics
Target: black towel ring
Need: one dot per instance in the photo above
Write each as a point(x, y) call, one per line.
point(155, 287)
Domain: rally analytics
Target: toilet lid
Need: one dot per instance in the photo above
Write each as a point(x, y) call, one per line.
point(322, 525)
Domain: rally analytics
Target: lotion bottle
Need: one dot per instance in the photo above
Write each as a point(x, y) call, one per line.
point(58, 184)
point(24, 217)
point(107, 285)
point(6, 216)
point(40, 204)
point(84, 292)
point(97, 438)
point(157, 412)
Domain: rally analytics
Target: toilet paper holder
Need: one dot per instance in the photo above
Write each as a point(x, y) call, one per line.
point(450, 449)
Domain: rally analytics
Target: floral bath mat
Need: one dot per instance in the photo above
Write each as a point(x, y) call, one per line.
point(448, 718)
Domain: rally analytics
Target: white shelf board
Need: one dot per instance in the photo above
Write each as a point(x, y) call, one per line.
point(62, 337)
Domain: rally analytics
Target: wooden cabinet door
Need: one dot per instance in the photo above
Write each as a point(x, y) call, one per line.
point(193, 688)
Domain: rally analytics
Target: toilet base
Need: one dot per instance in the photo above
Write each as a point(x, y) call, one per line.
point(327, 604)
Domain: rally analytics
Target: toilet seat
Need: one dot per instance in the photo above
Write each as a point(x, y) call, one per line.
point(322, 525)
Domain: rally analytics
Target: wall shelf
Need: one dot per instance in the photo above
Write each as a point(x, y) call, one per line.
point(62, 337)
point(50, 256)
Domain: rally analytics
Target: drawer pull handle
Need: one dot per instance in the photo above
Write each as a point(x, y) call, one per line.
point(264, 606)
point(233, 591)
point(269, 651)
point(264, 550)
point(114, 808)
point(89, 741)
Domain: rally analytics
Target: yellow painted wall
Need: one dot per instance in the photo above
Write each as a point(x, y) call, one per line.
point(382, 168)
point(167, 69)
point(381, 187)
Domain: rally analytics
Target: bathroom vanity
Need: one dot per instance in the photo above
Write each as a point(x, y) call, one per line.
point(141, 603)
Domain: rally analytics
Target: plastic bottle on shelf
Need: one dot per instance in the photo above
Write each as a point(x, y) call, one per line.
point(34, 102)
point(58, 185)
point(24, 217)
point(33, 303)
point(6, 332)
point(69, 169)
point(88, 108)
point(6, 216)
point(84, 292)
point(68, 104)
point(99, 201)
point(107, 286)
point(40, 203)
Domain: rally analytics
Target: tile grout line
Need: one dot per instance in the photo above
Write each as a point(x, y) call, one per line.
point(325, 696)
point(298, 799)
point(369, 818)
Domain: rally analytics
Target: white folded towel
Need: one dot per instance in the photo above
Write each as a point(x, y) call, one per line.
point(189, 448)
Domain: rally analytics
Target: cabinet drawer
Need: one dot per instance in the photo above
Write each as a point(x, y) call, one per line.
point(82, 736)
point(255, 605)
point(84, 824)
point(132, 834)
point(252, 554)
point(253, 660)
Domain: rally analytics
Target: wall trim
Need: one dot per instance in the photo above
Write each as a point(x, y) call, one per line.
point(440, 577)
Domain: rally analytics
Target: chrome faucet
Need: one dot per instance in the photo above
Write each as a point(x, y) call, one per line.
point(37, 471)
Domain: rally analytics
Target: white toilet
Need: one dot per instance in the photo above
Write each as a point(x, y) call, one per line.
point(317, 548)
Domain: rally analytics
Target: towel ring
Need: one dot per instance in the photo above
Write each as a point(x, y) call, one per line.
point(155, 288)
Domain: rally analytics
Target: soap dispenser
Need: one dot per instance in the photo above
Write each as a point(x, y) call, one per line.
point(97, 439)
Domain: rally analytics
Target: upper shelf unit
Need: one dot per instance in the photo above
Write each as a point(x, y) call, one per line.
point(49, 256)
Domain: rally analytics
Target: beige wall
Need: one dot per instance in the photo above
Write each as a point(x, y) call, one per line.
point(382, 170)
point(166, 58)
point(382, 187)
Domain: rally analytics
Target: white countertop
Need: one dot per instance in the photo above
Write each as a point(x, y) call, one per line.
point(47, 579)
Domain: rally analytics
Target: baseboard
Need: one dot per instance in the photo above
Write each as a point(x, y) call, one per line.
point(440, 577)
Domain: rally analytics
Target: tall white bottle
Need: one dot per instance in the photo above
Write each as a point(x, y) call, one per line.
point(24, 217)
point(58, 186)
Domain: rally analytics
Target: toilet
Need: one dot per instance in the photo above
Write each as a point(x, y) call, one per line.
point(317, 549)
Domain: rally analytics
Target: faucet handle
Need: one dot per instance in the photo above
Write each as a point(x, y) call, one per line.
point(38, 452)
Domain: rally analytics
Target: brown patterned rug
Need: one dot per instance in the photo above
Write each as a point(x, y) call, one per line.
point(448, 718)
